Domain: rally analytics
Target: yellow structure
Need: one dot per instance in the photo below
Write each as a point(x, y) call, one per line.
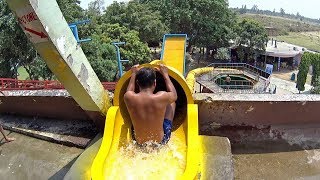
point(191, 78)
point(184, 158)
point(173, 51)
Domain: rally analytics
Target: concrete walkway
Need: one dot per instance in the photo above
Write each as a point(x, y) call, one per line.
point(67, 132)
point(31, 158)
point(287, 87)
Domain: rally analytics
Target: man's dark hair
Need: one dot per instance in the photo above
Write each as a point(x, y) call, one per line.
point(146, 77)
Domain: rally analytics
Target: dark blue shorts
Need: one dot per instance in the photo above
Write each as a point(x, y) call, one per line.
point(167, 127)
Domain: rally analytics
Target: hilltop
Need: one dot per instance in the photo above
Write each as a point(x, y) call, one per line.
point(293, 31)
point(283, 25)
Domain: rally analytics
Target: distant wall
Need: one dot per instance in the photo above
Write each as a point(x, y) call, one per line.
point(60, 106)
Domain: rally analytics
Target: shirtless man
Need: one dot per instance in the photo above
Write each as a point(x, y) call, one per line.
point(151, 114)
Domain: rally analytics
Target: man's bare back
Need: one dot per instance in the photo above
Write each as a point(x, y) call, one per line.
point(148, 110)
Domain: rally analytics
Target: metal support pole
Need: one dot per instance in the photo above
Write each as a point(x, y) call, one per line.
point(74, 29)
point(119, 57)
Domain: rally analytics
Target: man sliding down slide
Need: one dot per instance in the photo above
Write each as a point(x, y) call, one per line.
point(151, 114)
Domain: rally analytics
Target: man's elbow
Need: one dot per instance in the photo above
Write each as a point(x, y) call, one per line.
point(126, 95)
point(175, 97)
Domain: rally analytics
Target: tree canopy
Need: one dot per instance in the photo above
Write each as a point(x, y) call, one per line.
point(251, 38)
point(208, 23)
point(306, 61)
point(138, 17)
point(139, 23)
point(309, 59)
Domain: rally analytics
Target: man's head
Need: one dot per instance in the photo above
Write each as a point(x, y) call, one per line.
point(146, 78)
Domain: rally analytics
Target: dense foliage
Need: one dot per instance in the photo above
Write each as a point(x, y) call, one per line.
point(209, 24)
point(315, 81)
point(309, 59)
point(251, 39)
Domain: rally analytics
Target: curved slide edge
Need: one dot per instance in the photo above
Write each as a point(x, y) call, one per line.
point(193, 156)
point(97, 167)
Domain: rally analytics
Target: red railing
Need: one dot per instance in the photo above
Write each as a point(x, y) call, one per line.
point(110, 86)
point(14, 84)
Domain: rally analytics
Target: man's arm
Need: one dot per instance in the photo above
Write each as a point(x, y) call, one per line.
point(132, 82)
point(172, 93)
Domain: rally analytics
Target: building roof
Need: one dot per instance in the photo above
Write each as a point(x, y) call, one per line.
point(283, 50)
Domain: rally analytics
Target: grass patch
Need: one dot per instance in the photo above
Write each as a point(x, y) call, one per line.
point(23, 75)
point(310, 40)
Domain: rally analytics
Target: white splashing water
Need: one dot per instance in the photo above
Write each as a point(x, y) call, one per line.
point(133, 162)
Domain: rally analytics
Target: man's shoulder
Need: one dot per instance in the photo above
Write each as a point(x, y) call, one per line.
point(161, 93)
point(129, 95)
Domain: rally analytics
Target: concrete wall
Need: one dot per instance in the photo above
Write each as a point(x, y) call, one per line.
point(257, 110)
point(214, 109)
point(41, 104)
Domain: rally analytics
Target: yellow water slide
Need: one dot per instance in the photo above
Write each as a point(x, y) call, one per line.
point(119, 158)
point(173, 51)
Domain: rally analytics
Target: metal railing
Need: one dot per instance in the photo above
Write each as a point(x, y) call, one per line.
point(222, 83)
point(15, 84)
point(242, 66)
point(236, 86)
point(236, 89)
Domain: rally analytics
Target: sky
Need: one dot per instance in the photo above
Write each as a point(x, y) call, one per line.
point(84, 3)
point(307, 8)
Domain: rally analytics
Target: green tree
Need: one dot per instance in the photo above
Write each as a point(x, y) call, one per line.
point(316, 86)
point(96, 6)
point(212, 24)
point(102, 58)
point(71, 10)
point(303, 71)
point(255, 8)
point(134, 50)
point(282, 12)
point(102, 55)
point(315, 62)
point(38, 69)
point(177, 15)
point(243, 9)
point(139, 17)
point(208, 23)
point(100, 52)
point(251, 38)
point(15, 48)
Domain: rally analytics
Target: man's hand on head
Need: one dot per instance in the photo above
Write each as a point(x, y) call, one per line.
point(163, 70)
point(132, 82)
point(135, 69)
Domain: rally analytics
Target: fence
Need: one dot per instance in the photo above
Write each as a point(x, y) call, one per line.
point(236, 89)
point(242, 66)
point(235, 84)
point(261, 87)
